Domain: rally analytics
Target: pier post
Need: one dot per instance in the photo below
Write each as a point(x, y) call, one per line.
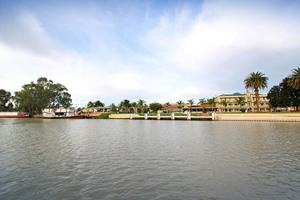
point(146, 116)
point(213, 116)
point(172, 115)
point(158, 116)
point(188, 116)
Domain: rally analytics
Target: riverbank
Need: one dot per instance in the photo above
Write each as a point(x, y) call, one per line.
point(281, 117)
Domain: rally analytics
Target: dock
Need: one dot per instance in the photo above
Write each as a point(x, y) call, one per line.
point(172, 117)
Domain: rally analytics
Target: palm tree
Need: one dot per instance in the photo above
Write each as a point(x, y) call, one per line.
point(201, 101)
point(240, 101)
point(180, 103)
point(125, 104)
point(256, 81)
point(191, 102)
point(134, 105)
point(212, 102)
point(294, 79)
point(141, 104)
point(224, 103)
point(167, 104)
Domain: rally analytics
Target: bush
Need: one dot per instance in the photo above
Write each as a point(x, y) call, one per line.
point(103, 116)
point(243, 110)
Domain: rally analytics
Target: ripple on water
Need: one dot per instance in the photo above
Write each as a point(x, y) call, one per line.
point(123, 159)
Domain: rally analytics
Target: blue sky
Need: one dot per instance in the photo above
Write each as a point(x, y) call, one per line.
point(161, 51)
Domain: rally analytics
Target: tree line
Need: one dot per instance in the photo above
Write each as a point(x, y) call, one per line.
point(35, 96)
point(287, 93)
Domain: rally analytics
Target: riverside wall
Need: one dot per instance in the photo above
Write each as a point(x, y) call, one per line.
point(288, 117)
point(121, 116)
point(259, 117)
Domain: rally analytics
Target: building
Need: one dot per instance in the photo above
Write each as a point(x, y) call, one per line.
point(229, 102)
point(95, 111)
point(203, 107)
point(171, 109)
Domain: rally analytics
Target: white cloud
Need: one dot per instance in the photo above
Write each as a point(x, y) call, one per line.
point(97, 54)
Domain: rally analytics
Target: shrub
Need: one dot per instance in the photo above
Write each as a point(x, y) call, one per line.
point(243, 110)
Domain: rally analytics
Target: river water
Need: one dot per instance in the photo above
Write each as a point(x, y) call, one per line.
point(125, 159)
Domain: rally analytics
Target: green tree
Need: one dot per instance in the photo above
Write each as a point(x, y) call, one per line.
point(141, 104)
point(284, 95)
point(90, 104)
point(201, 101)
point(155, 106)
point(180, 103)
point(36, 96)
point(256, 81)
point(113, 107)
point(134, 105)
point(167, 104)
point(289, 96)
point(294, 79)
point(240, 101)
point(191, 102)
point(274, 96)
point(79, 110)
point(212, 102)
point(125, 104)
point(4, 98)
point(224, 103)
point(98, 103)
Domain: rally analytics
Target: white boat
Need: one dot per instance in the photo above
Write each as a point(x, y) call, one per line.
point(59, 113)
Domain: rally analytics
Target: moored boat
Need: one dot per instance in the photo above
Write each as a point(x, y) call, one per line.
point(59, 113)
point(13, 115)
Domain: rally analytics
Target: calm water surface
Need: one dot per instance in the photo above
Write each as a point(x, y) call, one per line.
point(124, 159)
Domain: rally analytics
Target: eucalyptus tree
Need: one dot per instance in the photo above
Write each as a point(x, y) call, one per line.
point(294, 79)
point(155, 106)
point(44, 93)
point(90, 104)
point(5, 96)
point(256, 81)
point(98, 103)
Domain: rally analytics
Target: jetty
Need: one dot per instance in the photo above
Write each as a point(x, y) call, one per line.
point(188, 116)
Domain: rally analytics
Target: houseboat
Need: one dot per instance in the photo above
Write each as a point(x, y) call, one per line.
point(59, 113)
point(13, 115)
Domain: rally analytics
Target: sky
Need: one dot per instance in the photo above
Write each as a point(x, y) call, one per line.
point(158, 51)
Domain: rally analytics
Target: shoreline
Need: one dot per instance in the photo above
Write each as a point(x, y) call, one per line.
point(266, 117)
